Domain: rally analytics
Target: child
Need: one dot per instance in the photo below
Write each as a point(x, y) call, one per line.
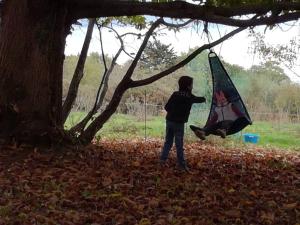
point(226, 114)
point(178, 110)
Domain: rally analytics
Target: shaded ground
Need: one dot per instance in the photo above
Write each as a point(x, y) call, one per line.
point(122, 183)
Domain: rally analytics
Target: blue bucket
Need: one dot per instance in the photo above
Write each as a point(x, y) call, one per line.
point(251, 138)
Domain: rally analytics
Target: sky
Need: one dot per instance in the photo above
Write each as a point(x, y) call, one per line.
point(234, 50)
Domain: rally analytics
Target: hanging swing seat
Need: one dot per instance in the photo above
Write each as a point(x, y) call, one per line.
point(227, 112)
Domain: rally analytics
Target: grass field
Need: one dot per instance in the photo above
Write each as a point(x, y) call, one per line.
point(271, 134)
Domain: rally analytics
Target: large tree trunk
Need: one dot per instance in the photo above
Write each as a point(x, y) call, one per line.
point(32, 42)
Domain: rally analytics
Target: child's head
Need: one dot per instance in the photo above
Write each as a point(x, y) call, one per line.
point(221, 97)
point(185, 83)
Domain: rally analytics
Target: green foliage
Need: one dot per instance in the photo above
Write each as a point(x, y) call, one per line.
point(285, 53)
point(276, 134)
point(93, 69)
point(287, 98)
point(157, 56)
point(271, 134)
point(273, 90)
point(270, 71)
point(139, 22)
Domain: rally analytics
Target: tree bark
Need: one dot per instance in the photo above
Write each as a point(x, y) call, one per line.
point(227, 15)
point(32, 44)
point(87, 136)
point(78, 74)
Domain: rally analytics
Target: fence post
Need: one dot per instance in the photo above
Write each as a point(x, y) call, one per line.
point(145, 113)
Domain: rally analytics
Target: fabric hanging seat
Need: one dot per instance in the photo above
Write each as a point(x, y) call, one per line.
point(226, 105)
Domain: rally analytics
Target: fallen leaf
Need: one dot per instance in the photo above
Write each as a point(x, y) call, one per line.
point(233, 213)
point(290, 205)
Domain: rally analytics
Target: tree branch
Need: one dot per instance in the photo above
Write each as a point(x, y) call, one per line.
point(78, 74)
point(141, 49)
point(87, 135)
point(176, 25)
point(162, 74)
point(105, 67)
point(78, 128)
point(181, 9)
point(270, 20)
point(121, 40)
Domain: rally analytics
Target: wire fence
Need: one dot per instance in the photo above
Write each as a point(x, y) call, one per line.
point(269, 121)
point(151, 110)
point(147, 120)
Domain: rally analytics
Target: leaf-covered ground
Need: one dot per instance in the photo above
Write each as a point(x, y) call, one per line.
point(123, 183)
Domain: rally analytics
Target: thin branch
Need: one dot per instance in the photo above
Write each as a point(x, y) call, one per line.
point(92, 129)
point(141, 49)
point(105, 67)
point(291, 70)
point(121, 40)
point(139, 35)
point(290, 27)
point(111, 68)
point(162, 74)
point(78, 128)
point(78, 73)
point(131, 33)
point(176, 25)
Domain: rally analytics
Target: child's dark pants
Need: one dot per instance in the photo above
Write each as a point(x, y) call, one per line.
point(176, 130)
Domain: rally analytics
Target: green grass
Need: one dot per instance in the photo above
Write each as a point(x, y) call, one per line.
point(285, 135)
point(122, 126)
point(125, 126)
point(280, 135)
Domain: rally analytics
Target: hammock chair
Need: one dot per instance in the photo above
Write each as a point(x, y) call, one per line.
point(226, 104)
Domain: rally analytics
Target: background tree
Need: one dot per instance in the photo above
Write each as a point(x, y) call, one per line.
point(157, 56)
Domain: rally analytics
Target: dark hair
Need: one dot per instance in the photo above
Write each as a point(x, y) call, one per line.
point(226, 93)
point(184, 82)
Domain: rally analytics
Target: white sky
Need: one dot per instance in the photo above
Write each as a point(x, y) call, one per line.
point(234, 50)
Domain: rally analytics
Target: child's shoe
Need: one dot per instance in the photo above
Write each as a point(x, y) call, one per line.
point(162, 163)
point(200, 134)
point(221, 132)
point(184, 168)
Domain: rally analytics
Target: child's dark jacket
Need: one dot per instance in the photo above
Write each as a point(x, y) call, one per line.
point(179, 106)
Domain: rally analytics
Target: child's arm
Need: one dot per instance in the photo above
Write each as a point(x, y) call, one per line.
point(196, 99)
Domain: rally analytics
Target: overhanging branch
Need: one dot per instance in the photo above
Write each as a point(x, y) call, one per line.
point(162, 74)
point(181, 9)
point(141, 49)
point(176, 25)
point(270, 20)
